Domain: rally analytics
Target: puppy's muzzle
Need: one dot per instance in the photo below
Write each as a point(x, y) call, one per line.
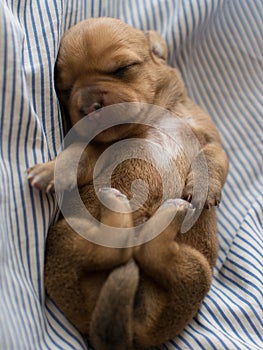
point(90, 98)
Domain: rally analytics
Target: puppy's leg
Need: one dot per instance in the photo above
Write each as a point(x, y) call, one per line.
point(211, 149)
point(108, 243)
point(176, 277)
point(217, 168)
point(69, 172)
point(76, 268)
point(41, 176)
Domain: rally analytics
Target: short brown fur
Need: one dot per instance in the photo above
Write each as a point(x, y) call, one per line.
point(142, 295)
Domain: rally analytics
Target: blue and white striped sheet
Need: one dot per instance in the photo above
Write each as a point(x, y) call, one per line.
point(217, 45)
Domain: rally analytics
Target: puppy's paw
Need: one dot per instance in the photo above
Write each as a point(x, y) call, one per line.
point(116, 212)
point(171, 216)
point(166, 222)
point(175, 211)
point(213, 196)
point(115, 208)
point(41, 176)
point(179, 208)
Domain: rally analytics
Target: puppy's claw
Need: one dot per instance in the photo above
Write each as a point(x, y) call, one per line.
point(209, 206)
point(50, 188)
point(29, 176)
point(189, 197)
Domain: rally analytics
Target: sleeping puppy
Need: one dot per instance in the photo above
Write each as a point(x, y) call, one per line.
point(142, 290)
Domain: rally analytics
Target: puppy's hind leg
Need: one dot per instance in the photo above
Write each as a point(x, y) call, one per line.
point(108, 240)
point(76, 268)
point(177, 275)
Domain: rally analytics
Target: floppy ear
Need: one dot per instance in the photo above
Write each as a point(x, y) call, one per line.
point(158, 44)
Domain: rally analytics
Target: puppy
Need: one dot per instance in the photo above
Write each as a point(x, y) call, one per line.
point(141, 290)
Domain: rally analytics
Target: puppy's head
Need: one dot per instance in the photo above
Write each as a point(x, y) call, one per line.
point(104, 61)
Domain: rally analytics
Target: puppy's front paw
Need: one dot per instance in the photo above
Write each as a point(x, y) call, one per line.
point(41, 176)
point(213, 196)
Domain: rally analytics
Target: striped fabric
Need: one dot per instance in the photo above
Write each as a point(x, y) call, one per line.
point(217, 45)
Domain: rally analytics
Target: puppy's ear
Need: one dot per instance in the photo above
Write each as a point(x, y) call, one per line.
point(157, 43)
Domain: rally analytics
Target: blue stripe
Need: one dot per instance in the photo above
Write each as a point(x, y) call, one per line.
point(242, 27)
point(218, 309)
point(256, 214)
point(17, 236)
point(200, 346)
point(54, 316)
point(51, 68)
point(256, 11)
point(249, 251)
point(247, 159)
point(25, 228)
point(252, 235)
point(184, 341)
point(225, 317)
point(235, 124)
point(221, 88)
point(236, 293)
point(207, 334)
point(218, 336)
point(248, 83)
point(201, 335)
point(244, 270)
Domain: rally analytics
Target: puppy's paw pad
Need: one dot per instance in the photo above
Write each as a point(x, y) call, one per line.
point(178, 203)
point(110, 192)
point(112, 198)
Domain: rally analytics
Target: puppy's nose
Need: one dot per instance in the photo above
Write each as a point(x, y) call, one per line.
point(85, 110)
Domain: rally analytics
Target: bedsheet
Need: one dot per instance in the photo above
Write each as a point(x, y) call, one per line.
point(217, 45)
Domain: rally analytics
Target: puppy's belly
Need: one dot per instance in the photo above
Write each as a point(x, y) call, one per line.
point(153, 170)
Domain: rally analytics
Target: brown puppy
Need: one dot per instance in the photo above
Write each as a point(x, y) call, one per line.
point(129, 295)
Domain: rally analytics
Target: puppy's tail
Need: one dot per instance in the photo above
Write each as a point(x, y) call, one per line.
point(111, 324)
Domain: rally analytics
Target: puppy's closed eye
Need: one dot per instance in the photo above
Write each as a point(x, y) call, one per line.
point(121, 71)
